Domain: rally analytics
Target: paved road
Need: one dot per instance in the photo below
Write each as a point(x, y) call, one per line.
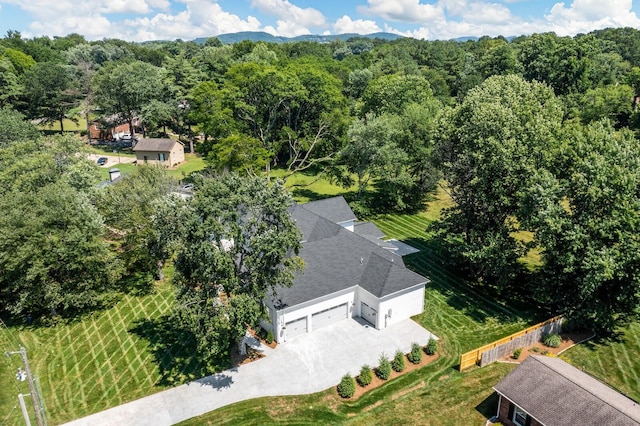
point(306, 364)
point(112, 160)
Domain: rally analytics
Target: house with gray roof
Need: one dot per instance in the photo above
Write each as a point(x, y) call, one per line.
point(345, 275)
point(162, 151)
point(548, 391)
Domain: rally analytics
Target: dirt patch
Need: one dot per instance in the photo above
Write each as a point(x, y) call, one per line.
point(376, 382)
point(568, 340)
point(252, 355)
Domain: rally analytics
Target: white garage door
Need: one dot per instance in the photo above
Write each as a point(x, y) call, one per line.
point(296, 327)
point(329, 316)
point(368, 313)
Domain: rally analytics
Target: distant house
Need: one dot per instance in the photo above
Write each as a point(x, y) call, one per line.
point(548, 391)
point(346, 274)
point(167, 152)
point(105, 131)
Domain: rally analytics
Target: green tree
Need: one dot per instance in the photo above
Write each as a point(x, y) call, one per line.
point(15, 128)
point(49, 93)
point(488, 147)
point(129, 207)
point(585, 215)
point(238, 245)
point(125, 88)
point(53, 256)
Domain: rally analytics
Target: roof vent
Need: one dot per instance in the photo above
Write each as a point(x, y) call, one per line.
point(361, 260)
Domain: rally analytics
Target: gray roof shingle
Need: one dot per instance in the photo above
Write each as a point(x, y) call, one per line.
point(334, 209)
point(336, 259)
point(368, 229)
point(556, 393)
point(155, 144)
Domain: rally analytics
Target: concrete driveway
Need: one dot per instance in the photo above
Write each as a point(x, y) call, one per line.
point(112, 160)
point(306, 364)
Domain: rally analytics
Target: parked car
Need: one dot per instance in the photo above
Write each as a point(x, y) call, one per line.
point(102, 161)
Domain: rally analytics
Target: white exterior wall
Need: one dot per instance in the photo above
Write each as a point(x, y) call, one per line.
point(308, 309)
point(363, 295)
point(350, 225)
point(403, 304)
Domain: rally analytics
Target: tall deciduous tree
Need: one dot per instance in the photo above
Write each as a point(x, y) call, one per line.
point(129, 206)
point(585, 216)
point(125, 88)
point(53, 257)
point(488, 147)
point(239, 243)
point(49, 93)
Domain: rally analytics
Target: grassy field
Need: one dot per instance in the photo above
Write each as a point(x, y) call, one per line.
point(110, 357)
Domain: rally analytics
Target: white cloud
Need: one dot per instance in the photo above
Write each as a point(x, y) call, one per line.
point(359, 26)
point(587, 15)
point(290, 15)
point(199, 19)
point(402, 10)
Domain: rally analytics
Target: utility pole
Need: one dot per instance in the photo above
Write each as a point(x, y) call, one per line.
point(37, 403)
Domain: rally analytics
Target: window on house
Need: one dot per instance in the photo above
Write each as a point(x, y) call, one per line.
point(519, 416)
point(161, 156)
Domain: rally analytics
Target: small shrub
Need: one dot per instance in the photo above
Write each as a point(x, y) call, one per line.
point(516, 353)
point(415, 356)
point(365, 376)
point(432, 347)
point(552, 340)
point(384, 368)
point(398, 362)
point(535, 349)
point(347, 386)
point(269, 338)
point(545, 353)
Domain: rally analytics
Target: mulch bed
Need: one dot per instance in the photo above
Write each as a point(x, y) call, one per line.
point(568, 340)
point(376, 382)
point(252, 354)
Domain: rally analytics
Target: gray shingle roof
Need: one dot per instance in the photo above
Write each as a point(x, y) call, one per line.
point(333, 209)
point(367, 229)
point(556, 393)
point(336, 259)
point(155, 144)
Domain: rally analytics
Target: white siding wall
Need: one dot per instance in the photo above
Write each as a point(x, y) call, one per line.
point(363, 295)
point(350, 225)
point(403, 304)
point(309, 309)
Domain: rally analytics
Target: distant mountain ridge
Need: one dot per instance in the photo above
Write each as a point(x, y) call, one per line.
point(256, 36)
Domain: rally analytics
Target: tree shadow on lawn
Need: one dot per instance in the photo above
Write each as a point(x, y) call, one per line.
point(176, 353)
point(474, 302)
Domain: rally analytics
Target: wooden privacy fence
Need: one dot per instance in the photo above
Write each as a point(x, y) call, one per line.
point(494, 351)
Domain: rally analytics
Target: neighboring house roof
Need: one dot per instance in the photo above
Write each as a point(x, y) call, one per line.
point(155, 144)
point(334, 209)
point(336, 259)
point(556, 393)
point(367, 229)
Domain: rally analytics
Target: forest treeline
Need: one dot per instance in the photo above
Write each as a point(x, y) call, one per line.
point(534, 139)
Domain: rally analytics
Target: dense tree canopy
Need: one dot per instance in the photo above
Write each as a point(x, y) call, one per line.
point(510, 128)
point(239, 242)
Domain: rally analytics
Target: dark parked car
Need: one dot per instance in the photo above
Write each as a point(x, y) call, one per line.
point(102, 161)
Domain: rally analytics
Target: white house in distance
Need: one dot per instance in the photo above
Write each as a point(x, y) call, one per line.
point(346, 274)
point(166, 152)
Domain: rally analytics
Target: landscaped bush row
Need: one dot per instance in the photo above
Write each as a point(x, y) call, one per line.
point(346, 388)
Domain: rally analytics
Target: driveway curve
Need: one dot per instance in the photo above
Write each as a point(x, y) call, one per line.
point(306, 364)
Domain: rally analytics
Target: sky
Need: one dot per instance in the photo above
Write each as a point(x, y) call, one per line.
point(143, 20)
